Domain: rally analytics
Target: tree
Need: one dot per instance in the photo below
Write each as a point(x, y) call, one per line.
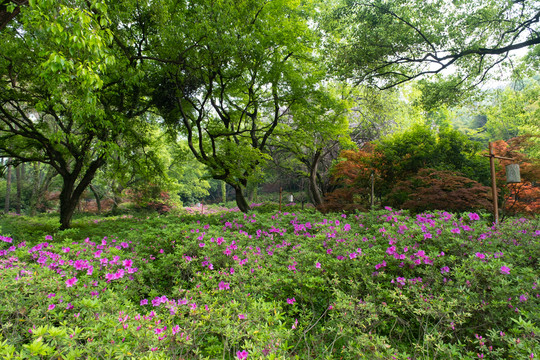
point(523, 197)
point(400, 157)
point(67, 96)
point(228, 75)
point(387, 43)
point(432, 189)
point(317, 129)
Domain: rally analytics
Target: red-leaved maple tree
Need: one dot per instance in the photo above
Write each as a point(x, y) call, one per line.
point(523, 197)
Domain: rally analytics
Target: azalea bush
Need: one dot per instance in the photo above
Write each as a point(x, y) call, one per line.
point(271, 285)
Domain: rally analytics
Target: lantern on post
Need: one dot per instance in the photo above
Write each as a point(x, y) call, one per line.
point(512, 174)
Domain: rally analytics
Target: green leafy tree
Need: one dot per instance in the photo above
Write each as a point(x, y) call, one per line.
point(318, 128)
point(391, 42)
point(229, 73)
point(67, 95)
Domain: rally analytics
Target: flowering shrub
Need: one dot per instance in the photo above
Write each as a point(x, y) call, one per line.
point(273, 285)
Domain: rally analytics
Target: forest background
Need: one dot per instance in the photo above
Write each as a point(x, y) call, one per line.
point(109, 107)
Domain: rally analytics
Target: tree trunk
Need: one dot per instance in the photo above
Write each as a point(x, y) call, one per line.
point(18, 178)
point(8, 186)
point(71, 194)
point(224, 191)
point(35, 191)
point(98, 201)
point(313, 187)
point(241, 200)
point(67, 203)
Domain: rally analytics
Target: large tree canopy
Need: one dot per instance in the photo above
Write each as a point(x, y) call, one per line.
point(229, 73)
point(391, 42)
point(66, 97)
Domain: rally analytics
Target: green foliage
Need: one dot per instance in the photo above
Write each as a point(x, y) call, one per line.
point(399, 158)
point(277, 285)
point(387, 43)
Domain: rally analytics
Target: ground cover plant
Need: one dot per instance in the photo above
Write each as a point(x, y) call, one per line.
point(271, 285)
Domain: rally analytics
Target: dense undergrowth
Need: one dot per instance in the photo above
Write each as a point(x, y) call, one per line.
point(270, 285)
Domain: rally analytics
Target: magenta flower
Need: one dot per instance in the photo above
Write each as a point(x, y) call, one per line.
point(52, 306)
point(291, 301)
point(202, 244)
point(224, 286)
point(175, 329)
point(505, 270)
point(474, 216)
point(144, 302)
point(48, 237)
point(242, 354)
point(455, 230)
point(318, 265)
point(127, 263)
point(241, 316)
point(71, 282)
point(480, 255)
point(445, 269)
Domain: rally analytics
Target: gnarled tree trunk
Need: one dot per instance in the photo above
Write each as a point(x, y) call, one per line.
point(241, 201)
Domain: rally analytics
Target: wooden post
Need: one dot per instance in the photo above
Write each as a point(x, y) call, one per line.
point(280, 195)
point(372, 190)
point(493, 184)
point(492, 158)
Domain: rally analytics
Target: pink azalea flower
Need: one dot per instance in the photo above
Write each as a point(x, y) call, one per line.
point(474, 216)
point(242, 354)
point(71, 282)
point(505, 270)
point(318, 265)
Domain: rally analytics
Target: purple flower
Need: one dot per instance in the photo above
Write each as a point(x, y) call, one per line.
point(127, 263)
point(242, 354)
point(455, 230)
point(202, 244)
point(52, 306)
point(71, 282)
point(241, 316)
point(445, 269)
point(318, 265)
point(48, 237)
point(291, 301)
point(474, 216)
point(224, 286)
point(505, 270)
point(144, 302)
point(480, 255)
